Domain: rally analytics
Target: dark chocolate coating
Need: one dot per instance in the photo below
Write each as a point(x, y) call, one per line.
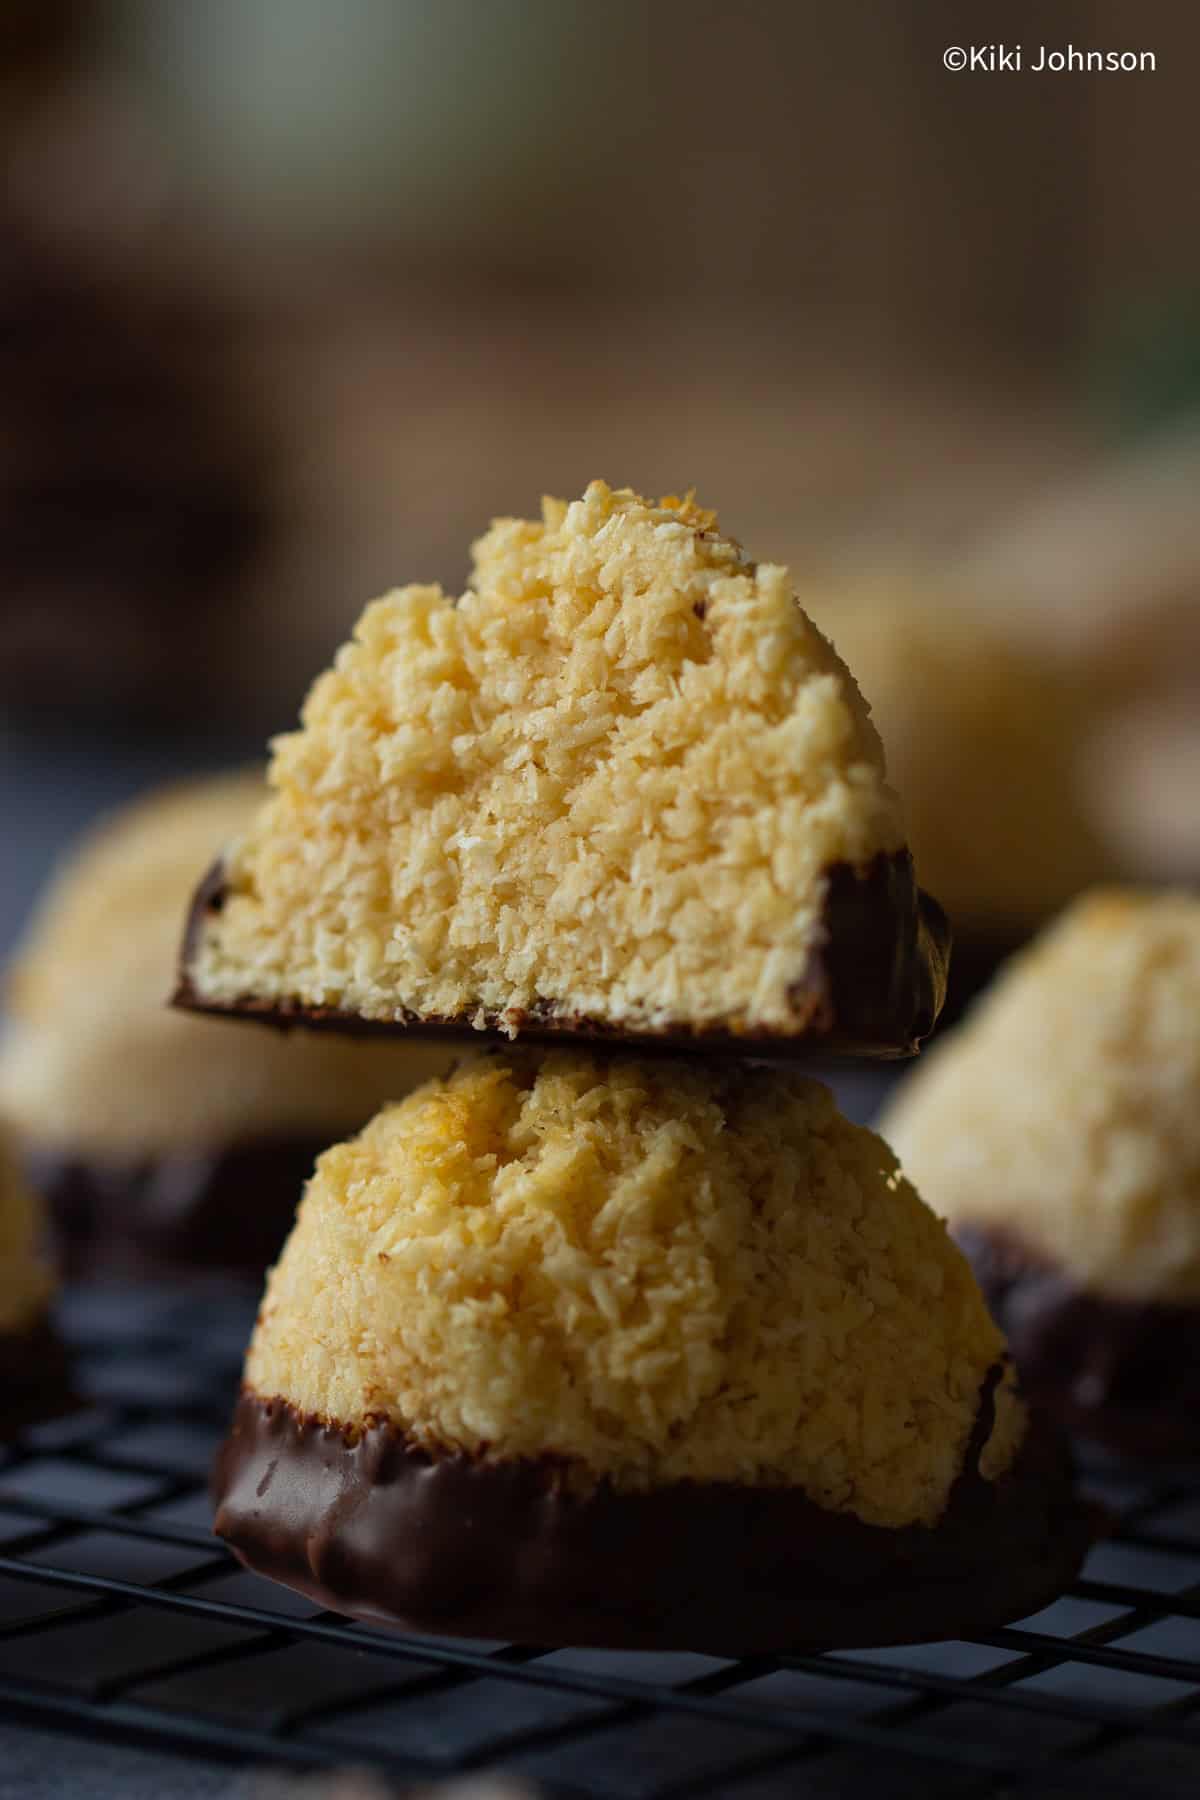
point(182, 1210)
point(1125, 1373)
point(368, 1525)
point(35, 1379)
point(874, 986)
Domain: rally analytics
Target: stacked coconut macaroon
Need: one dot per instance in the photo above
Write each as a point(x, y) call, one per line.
point(613, 1335)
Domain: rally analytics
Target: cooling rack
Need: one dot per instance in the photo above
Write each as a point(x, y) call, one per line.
point(122, 1617)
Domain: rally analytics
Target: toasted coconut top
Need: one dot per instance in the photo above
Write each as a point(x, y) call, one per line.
point(654, 1271)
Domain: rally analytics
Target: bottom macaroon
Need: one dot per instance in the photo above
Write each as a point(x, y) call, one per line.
point(576, 1350)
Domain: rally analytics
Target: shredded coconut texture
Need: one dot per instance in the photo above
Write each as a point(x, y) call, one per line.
point(610, 778)
point(1066, 1109)
point(25, 1280)
point(983, 739)
point(655, 1271)
point(96, 1060)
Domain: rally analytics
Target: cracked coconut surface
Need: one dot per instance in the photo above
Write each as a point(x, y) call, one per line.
point(656, 1271)
point(95, 1061)
point(610, 778)
point(26, 1284)
point(1066, 1109)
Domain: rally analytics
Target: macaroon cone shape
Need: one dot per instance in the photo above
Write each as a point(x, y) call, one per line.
point(622, 788)
point(1065, 1110)
point(1057, 1130)
point(596, 1350)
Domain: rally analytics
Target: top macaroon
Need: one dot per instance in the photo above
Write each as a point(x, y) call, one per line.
point(622, 788)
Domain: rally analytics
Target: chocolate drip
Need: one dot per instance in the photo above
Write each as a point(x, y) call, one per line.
point(367, 1524)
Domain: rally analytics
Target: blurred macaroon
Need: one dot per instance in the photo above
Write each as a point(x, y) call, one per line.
point(161, 1141)
point(985, 741)
point(1058, 1131)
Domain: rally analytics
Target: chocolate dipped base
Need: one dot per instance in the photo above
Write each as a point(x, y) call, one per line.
point(368, 1525)
point(35, 1379)
point(165, 1214)
point(1125, 1373)
point(875, 984)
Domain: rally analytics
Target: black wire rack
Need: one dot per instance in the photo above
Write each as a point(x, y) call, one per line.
point(121, 1616)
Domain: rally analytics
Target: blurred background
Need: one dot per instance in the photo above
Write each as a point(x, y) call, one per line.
point(295, 296)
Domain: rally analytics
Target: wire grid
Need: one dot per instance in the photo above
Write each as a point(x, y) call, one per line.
point(121, 1615)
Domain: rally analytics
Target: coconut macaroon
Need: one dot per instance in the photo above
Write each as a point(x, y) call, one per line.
point(157, 1137)
point(1058, 1130)
point(622, 786)
point(984, 740)
point(33, 1371)
point(621, 1352)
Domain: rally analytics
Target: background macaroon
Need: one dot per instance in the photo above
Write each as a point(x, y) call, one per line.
point(161, 1141)
point(1058, 1130)
point(986, 739)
